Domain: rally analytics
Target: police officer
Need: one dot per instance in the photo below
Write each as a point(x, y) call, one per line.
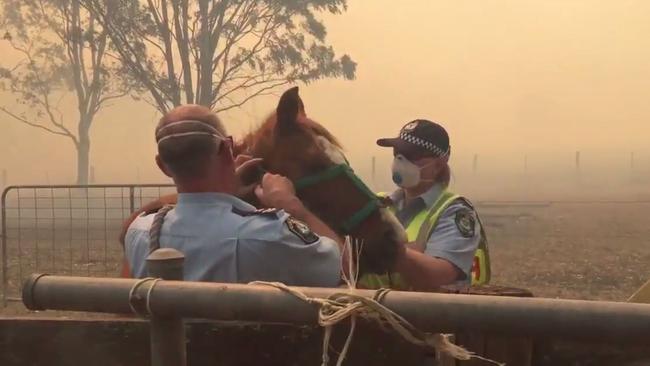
point(447, 243)
point(223, 238)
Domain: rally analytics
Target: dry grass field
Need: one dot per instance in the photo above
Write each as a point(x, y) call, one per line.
point(592, 251)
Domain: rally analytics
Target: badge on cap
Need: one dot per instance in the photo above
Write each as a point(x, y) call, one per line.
point(465, 223)
point(410, 127)
point(301, 230)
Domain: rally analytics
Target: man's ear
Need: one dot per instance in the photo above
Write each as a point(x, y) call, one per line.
point(225, 153)
point(162, 166)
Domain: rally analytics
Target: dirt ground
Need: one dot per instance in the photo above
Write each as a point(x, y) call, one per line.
point(592, 251)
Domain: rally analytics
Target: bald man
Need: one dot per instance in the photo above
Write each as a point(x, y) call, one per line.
point(223, 238)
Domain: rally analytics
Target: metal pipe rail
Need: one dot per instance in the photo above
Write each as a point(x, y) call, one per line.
point(574, 319)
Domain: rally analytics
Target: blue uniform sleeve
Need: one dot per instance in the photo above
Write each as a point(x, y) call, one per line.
point(456, 237)
point(284, 249)
point(136, 248)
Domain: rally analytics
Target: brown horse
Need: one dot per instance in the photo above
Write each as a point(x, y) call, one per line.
point(304, 151)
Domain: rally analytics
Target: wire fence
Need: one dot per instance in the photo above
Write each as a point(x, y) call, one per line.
point(592, 248)
point(67, 229)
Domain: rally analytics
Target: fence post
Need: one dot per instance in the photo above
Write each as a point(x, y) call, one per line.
point(475, 164)
point(525, 178)
point(5, 261)
point(373, 171)
point(526, 164)
point(4, 177)
point(92, 174)
point(632, 167)
point(167, 333)
point(131, 199)
point(578, 173)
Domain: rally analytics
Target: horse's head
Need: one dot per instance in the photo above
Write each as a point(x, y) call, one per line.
point(305, 152)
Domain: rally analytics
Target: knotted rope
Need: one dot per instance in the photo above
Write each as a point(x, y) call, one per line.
point(134, 297)
point(342, 305)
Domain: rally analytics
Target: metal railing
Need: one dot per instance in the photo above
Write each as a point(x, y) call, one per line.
point(66, 229)
point(174, 300)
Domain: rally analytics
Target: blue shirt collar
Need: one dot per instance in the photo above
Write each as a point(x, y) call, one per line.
point(432, 194)
point(212, 198)
point(429, 197)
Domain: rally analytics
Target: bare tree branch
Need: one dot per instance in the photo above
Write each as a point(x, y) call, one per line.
point(205, 48)
point(64, 53)
point(182, 42)
point(37, 125)
point(128, 55)
point(259, 92)
point(162, 22)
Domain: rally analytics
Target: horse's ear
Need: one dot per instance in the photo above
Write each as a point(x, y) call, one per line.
point(289, 107)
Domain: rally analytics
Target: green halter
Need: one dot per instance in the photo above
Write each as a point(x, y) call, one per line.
point(335, 171)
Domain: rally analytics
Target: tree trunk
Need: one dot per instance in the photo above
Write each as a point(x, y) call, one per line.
point(206, 56)
point(83, 153)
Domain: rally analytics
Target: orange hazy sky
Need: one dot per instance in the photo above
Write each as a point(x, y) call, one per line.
point(506, 78)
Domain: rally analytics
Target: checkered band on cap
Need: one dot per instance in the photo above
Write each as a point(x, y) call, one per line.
point(423, 144)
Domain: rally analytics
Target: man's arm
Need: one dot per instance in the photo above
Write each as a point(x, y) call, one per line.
point(296, 209)
point(277, 191)
point(282, 248)
point(136, 250)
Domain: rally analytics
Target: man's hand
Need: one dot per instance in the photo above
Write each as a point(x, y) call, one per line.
point(278, 192)
point(246, 166)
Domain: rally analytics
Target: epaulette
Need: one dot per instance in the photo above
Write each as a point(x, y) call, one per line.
point(151, 211)
point(267, 212)
point(464, 202)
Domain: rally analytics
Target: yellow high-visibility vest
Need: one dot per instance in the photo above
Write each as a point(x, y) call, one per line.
point(418, 232)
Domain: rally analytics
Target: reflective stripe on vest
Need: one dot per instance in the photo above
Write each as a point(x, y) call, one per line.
point(418, 233)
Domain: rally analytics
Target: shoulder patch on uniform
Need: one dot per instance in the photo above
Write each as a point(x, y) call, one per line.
point(301, 230)
point(465, 223)
point(267, 212)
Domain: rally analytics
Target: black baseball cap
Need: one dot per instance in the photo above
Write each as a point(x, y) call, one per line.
point(420, 137)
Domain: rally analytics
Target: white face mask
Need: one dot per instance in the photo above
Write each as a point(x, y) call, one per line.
point(406, 174)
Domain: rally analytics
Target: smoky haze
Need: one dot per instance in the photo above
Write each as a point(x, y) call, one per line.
point(520, 85)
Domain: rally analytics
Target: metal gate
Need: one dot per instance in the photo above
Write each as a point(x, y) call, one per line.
point(66, 229)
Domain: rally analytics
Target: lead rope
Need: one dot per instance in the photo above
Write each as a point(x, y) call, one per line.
point(156, 227)
point(154, 244)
